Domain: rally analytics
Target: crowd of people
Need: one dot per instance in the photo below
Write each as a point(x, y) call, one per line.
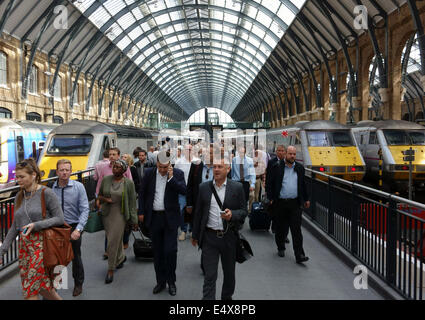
point(206, 193)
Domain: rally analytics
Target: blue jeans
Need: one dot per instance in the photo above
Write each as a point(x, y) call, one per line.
point(185, 227)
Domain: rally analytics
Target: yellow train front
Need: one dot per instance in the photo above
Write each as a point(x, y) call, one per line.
point(80, 141)
point(84, 141)
point(323, 146)
point(387, 141)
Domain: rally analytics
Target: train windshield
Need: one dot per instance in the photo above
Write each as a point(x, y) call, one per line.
point(341, 138)
point(329, 138)
point(70, 144)
point(405, 138)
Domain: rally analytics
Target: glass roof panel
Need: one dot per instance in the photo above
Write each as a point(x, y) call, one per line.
point(241, 37)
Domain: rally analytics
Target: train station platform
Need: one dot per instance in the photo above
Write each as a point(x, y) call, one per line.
point(264, 277)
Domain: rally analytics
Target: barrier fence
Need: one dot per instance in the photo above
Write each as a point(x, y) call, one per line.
point(7, 198)
point(385, 232)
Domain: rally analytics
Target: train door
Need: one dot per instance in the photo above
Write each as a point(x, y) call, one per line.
point(105, 146)
point(371, 154)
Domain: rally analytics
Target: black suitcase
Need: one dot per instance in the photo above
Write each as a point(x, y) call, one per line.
point(142, 247)
point(259, 219)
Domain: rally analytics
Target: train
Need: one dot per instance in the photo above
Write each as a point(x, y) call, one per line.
point(20, 139)
point(322, 145)
point(83, 142)
point(386, 141)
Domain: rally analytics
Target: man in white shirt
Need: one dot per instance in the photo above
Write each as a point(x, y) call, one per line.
point(214, 229)
point(159, 211)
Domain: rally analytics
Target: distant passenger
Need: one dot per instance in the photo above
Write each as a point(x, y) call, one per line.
point(152, 155)
point(201, 170)
point(244, 172)
point(28, 223)
point(260, 165)
point(135, 176)
point(159, 210)
point(75, 206)
point(287, 194)
point(136, 154)
point(141, 166)
point(184, 163)
point(106, 169)
point(280, 157)
point(104, 161)
point(118, 198)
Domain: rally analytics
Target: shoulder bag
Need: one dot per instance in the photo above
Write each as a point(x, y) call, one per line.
point(243, 248)
point(57, 248)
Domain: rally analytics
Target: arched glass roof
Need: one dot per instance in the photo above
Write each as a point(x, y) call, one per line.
point(199, 52)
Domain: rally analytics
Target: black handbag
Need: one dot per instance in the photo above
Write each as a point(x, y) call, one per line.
point(142, 247)
point(243, 248)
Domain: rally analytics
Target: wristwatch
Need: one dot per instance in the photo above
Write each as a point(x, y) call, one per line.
point(79, 230)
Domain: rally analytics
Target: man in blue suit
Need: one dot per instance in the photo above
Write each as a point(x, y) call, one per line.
point(159, 210)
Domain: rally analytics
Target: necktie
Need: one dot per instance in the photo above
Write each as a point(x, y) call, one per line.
point(241, 172)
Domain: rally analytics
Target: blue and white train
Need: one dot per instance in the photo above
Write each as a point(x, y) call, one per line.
point(19, 140)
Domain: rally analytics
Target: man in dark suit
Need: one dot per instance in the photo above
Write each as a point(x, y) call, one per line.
point(140, 166)
point(159, 210)
point(213, 229)
point(280, 157)
point(287, 192)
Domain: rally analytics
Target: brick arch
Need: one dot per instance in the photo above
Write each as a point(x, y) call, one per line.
point(396, 63)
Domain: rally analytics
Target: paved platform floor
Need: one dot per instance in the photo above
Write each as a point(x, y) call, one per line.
point(265, 277)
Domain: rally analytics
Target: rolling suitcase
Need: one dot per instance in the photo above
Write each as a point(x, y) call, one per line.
point(142, 247)
point(259, 219)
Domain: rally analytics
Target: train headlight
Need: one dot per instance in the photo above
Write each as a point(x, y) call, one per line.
point(356, 169)
point(42, 173)
point(320, 169)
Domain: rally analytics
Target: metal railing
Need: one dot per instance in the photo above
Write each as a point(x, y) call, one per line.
point(7, 198)
point(385, 232)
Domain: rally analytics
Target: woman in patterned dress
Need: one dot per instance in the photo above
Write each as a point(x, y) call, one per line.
point(28, 223)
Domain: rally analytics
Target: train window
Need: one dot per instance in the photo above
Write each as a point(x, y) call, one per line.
point(297, 139)
point(70, 144)
point(372, 138)
point(317, 139)
point(397, 137)
point(417, 137)
point(341, 138)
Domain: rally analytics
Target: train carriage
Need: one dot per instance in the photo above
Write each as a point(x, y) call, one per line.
point(388, 139)
point(19, 140)
point(322, 145)
point(83, 143)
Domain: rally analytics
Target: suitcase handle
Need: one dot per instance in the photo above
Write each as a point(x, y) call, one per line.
point(141, 234)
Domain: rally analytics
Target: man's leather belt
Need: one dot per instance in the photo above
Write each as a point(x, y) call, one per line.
point(218, 233)
point(288, 199)
point(158, 212)
point(213, 230)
